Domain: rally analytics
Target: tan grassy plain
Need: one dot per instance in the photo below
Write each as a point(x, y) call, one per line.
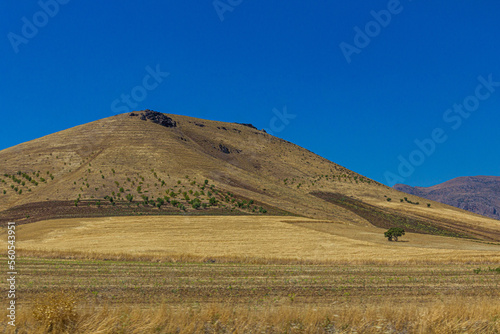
point(249, 238)
point(460, 315)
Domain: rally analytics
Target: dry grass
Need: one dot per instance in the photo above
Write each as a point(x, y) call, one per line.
point(457, 315)
point(55, 311)
point(246, 239)
point(92, 296)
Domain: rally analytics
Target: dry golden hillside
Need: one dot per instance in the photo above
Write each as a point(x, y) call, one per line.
point(130, 165)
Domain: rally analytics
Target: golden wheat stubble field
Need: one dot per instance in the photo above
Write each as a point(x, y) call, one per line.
point(245, 238)
point(246, 273)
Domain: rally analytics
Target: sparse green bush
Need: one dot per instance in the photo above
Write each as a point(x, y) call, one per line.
point(394, 233)
point(159, 202)
point(196, 203)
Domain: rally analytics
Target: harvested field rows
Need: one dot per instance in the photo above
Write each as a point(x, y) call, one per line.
point(262, 296)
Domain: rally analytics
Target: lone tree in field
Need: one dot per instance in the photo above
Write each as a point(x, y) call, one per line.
point(394, 233)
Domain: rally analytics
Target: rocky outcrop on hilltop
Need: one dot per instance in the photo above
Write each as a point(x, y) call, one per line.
point(156, 117)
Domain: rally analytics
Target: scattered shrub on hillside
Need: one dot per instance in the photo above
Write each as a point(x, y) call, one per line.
point(196, 203)
point(159, 202)
point(129, 197)
point(428, 205)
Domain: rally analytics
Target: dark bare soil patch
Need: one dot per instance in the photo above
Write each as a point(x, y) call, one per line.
point(33, 212)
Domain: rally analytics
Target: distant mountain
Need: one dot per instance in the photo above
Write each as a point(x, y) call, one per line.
point(478, 194)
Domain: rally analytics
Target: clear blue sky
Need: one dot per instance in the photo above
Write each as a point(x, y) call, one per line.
point(65, 66)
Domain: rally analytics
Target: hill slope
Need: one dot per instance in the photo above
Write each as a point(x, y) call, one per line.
point(151, 163)
point(478, 194)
